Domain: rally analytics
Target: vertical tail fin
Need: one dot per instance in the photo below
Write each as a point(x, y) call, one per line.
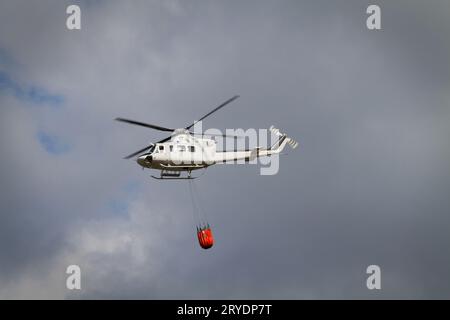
point(282, 138)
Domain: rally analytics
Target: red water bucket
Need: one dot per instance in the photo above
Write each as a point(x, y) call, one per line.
point(205, 237)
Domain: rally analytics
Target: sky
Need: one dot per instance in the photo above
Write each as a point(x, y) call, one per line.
point(369, 183)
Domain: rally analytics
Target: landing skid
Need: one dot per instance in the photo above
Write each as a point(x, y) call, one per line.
point(173, 175)
point(172, 178)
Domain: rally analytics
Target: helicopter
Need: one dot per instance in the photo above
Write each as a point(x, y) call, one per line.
point(182, 152)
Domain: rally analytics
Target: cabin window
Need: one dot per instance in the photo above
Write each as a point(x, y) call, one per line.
point(191, 148)
point(182, 148)
point(161, 148)
point(171, 148)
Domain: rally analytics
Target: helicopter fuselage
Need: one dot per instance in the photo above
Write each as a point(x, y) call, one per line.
point(182, 153)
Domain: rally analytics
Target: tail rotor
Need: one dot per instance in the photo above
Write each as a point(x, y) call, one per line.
point(292, 143)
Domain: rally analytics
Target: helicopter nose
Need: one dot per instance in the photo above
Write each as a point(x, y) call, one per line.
point(144, 160)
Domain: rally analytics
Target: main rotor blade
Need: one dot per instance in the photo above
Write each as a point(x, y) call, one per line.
point(142, 124)
point(147, 147)
point(165, 139)
point(216, 135)
point(140, 151)
point(209, 113)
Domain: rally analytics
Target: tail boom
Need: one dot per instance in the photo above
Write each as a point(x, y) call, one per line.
point(250, 155)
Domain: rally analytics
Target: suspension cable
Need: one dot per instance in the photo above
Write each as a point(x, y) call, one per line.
point(198, 211)
point(199, 202)
point(194, 206)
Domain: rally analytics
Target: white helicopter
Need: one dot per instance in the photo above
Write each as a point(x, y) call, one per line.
point(182, 152)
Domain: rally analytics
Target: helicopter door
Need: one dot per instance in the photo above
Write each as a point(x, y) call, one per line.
point(181, 155)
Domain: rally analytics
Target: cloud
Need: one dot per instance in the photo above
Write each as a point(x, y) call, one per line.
point(5, 59)
point(52, 144)
point(32, 94)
